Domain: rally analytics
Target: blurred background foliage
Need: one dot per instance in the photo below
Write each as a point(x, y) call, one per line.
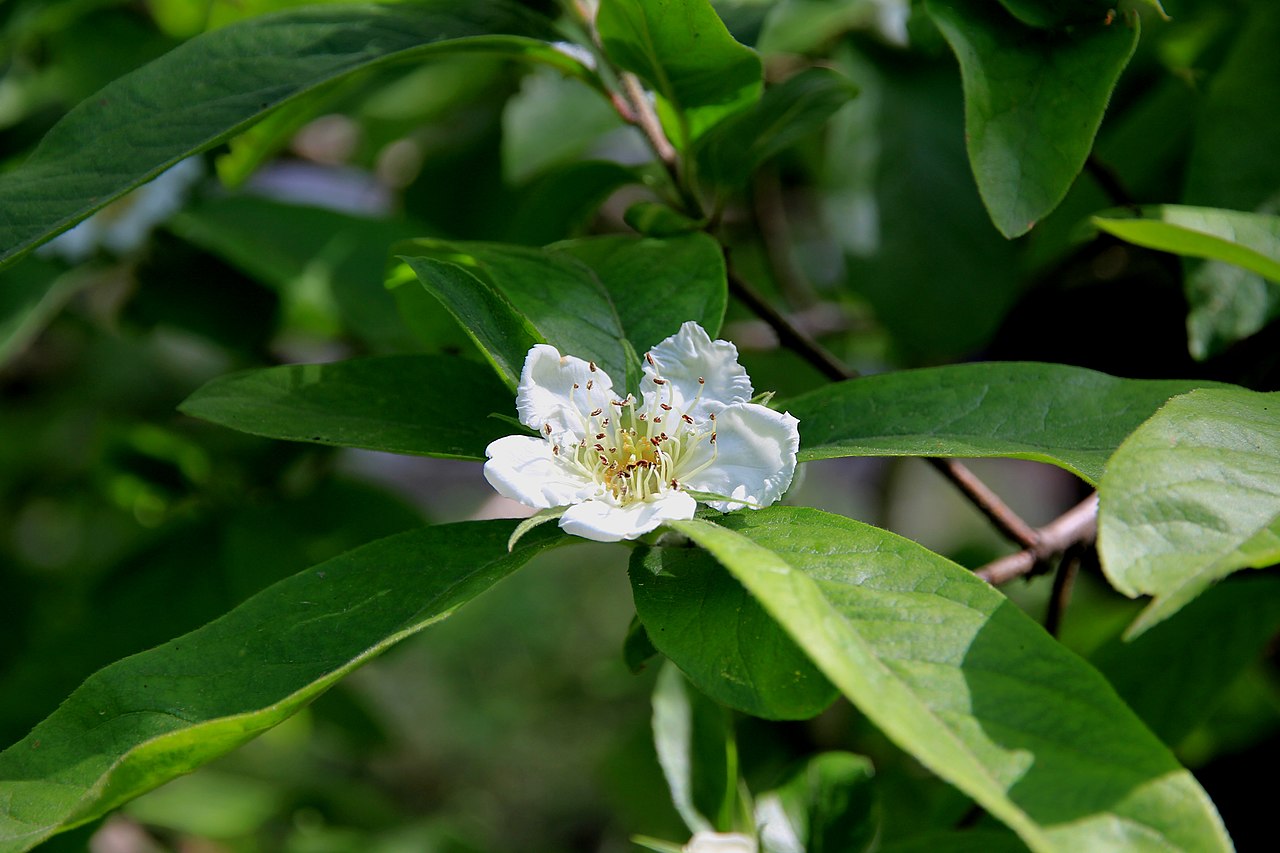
point(517, 725)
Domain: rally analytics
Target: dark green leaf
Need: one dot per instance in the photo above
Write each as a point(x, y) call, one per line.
point(1056, 13)
point(1066, 416)
point(1174, 675)
point(422, 404)
point(1248, 240)
point(701, 618)
point(1033, 102)
point(1192, 496)
point(637, 648)
point(729, 153)
point(967, 841)
point(696, 748)
point(962, 679)
point(563, 201)
point(492, 322)
point(829, 805)
point(162, 713)
point(682, 50)
point(218, 84)
point(30, 296)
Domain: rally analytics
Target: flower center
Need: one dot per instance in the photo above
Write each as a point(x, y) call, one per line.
point(634, 455)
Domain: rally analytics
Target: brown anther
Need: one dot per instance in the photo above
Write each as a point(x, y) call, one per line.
point(599, 436)
point(555, 450)
point(658, 419)
point(686, 419)
point(618, 403)
point(701, 381)
point(713, 416)
point(575, 386)
point(600, 447)
point(596, 412)
point(655, 441)
point(657, 381)
point(713, 438)
point(644, 416)
point(592, 366)
point(590, 382)
point(664, 407)
point(663, 436)
point(604, 461)
point(546, 428)
point(649, 358)
point(675, 484)
point(604, 422)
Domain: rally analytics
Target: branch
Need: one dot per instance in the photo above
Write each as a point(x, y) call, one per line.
point(987, 501)
point(1077, 525)
point(1063, 582)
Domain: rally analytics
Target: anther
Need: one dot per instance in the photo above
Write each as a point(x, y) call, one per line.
point(665, 407)
point(575, 386)
point(644, 416)
point(649, 358)
point(599, 436)
point(546, 428)
point(604, 422)
point(658, 419)
point(686, 419)
point(701, 381)
point(592, 366)
point(713, 416)
point(600, 447)
point(590, 382)
point(656, 442)
point(604, 461)
point(596, 412)
point(555, 450)
point(657, 381)
point(713, 438)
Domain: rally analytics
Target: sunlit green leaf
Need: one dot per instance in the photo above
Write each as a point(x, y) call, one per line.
point(1066, 416)
point(962, 679)
point(421, 404)
point(1192, 496)
point(218, 84)
point(159, 714)
point(1248, 240)
point(1033, 102)
point(700, 617)
point(682, 50)
point(697, 751)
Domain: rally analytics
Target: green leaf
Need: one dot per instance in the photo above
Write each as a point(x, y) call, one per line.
point(1248, 240)
point(681, 49)
point(498, 329)
point(967, 841)
point(1056, 13)
point(1192, 496)
point(587, 298)
point(730, 152)
point(148, 718)
point(422, 404)
point(1176, 674)
point(696, 614)
point(829, 805)
point(1033, 101)
point(962, 679)
point(697, 751)
point(218, 84)
point(657, 284)
point(1067, 416)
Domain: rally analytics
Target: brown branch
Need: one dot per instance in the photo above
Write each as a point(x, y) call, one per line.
point(1109, 181)
point(987, 501)
point(1063, 582)
point(1077, 525)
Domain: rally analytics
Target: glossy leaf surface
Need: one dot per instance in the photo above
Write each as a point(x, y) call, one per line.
point(1192, 496)
point(162, 713)
point(1033, 101)
point(420, 404)
point(962, 679)
point(1066, 416)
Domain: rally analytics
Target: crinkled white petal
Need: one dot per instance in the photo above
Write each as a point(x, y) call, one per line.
point(720, 842)
point(546, 395)
point(602, 521)
point(755, 457)
point(685, 357)
point(524, 469)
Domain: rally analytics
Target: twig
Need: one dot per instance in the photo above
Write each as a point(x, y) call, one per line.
point(1109, 181)
point(1077, 525)
point(770, 213)
point(995, 509)
point(1063, 582)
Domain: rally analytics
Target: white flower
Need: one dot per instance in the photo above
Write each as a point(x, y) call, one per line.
point(720, 842)
point(622, 466)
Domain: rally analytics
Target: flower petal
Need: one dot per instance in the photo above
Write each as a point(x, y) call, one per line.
point(524, 469)
point(554, 391)
point(684, 358)
point(755, 457)
point(604, 522)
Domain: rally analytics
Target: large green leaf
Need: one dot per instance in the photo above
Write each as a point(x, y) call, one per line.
point(162, 713)
point(600, 298)
point(1067, 416)
point(422, 404)
point(1176, 674)
point(221, 82)
point(1192, 496)
point(787, 113)
point(962, 679)
point(696, 614)
point(682, 50)
point(1033, 101)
